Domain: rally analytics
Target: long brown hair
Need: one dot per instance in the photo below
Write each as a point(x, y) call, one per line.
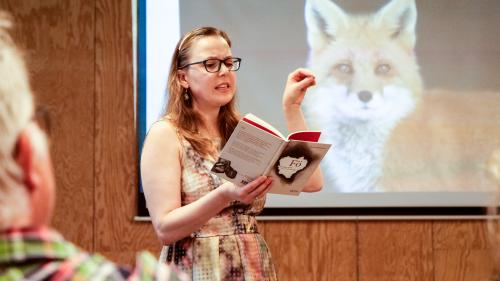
point(180, 111)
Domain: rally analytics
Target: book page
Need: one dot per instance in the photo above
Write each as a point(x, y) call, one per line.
point(256, 121)
point(312, 136)
point(247, 154)
point(295, 165)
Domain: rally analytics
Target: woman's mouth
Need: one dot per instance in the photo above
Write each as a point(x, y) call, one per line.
point(222, 86)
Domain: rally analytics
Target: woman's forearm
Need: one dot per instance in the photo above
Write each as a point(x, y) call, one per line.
point(297, 84)
point(294, 118)
point(296, 122)
point(183, 221)
point(180, 222)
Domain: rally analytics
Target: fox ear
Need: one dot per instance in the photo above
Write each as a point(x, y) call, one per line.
point(323, 20)
point(400, 16)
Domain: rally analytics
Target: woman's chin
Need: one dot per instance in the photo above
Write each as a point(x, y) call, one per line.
point(225, 98)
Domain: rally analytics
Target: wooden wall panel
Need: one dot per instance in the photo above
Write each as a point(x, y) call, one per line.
point(462, 251)
point(58, 39)
point(312, 250)
point(395, 251)
point(115, 137)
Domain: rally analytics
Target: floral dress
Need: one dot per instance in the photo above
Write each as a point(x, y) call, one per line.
point(228, 246)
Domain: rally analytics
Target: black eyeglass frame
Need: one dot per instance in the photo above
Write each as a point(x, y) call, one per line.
point(223, 61)
point(42, 118)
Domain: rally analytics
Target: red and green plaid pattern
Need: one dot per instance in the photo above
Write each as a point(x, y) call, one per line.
point(43, 254)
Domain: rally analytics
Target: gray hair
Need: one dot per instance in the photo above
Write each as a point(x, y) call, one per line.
point(16, 111)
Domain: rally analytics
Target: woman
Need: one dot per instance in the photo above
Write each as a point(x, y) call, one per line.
point(208, 225)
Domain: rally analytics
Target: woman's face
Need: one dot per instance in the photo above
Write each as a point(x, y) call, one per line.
point(209, 90)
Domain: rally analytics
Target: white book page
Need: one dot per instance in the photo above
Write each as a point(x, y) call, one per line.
point(263, 123)
point(248, 152)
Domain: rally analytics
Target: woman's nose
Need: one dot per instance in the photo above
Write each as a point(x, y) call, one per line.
point(223, 69)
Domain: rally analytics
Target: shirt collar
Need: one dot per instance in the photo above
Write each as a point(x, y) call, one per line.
point(23, 245)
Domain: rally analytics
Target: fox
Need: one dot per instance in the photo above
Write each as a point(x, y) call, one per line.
point(367, 81)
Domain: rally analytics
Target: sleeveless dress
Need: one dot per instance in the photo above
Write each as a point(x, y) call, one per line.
point(228, 246)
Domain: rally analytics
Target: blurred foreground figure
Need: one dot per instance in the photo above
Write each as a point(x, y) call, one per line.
point(29, 248)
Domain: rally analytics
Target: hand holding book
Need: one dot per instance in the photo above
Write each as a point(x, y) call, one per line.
point(247, 193)
point(256, 148)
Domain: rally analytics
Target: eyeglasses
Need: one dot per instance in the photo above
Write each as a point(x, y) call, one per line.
point(214, 65)
point(42, 118)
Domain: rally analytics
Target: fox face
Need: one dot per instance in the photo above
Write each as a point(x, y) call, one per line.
point(367, 81)
point(365, 65)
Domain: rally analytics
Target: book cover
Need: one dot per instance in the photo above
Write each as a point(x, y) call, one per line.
point(256, 148)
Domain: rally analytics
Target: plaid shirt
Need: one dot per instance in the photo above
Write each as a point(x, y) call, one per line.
point(43, 254)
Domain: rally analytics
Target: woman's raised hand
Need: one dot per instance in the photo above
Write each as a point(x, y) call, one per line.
point(296, 85)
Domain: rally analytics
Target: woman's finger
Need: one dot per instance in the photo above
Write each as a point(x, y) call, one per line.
point(300, 74)
point(306, 83)
point(261, 188)
point(254, 184)
point(266, 189)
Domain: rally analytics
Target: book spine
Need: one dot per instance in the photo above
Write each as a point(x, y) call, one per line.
point(274, 158)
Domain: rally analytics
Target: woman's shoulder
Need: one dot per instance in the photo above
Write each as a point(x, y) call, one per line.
point(164, 123)
point(163, 129)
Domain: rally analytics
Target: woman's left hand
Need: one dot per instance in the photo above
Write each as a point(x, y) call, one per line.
point(296, 85)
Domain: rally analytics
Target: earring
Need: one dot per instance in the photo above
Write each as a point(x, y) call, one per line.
point(186, 96)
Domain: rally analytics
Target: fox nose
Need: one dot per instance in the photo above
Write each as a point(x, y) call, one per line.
point(365, 96)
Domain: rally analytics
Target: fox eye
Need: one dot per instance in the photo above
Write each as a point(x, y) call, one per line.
point(382, 68)
point(344, 68)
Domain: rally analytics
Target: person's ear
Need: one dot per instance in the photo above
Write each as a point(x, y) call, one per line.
point(25, 157)
point(181, 76)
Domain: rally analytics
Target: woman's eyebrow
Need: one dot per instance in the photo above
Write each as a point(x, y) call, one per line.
point(224, 58)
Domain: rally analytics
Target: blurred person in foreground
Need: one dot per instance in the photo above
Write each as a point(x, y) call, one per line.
point(29, 248)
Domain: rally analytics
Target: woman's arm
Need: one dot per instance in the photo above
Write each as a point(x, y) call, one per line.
point(295, 89)
point(161, 181)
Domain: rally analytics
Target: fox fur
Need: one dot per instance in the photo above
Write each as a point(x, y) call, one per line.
point(368, 80)
point(389, 134)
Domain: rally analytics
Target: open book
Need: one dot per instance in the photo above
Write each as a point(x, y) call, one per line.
point(256, 148)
